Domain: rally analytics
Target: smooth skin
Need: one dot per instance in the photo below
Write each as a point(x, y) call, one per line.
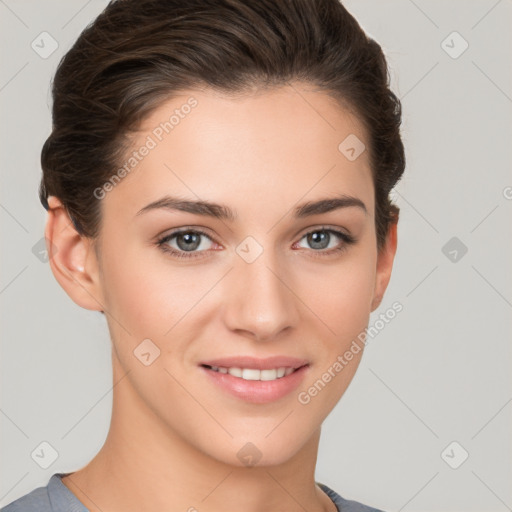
point(174, 437)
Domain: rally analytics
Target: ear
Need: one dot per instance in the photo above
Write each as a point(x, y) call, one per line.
point(72, 258)
point(385, 259)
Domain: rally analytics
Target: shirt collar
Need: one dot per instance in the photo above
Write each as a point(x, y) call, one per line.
point(61, 498)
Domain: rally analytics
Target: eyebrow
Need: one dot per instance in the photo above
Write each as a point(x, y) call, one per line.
point(224, 212)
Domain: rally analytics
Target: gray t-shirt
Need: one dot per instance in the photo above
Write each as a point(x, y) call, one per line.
point(56, 497)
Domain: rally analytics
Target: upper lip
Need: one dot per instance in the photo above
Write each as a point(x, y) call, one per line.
point(256, 363)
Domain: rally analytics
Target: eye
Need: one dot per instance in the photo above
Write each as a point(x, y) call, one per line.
point(320, 239)
point(188, 240)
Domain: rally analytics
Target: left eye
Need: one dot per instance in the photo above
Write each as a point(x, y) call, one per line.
point(318, 238)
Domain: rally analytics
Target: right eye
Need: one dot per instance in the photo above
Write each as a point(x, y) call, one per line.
point(188, 240)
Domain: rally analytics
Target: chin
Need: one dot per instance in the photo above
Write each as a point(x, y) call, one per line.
point(259, 452)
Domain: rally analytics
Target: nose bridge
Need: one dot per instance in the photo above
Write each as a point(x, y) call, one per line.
point(260, 299)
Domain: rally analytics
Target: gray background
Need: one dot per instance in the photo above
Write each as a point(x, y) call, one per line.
point(438, 373)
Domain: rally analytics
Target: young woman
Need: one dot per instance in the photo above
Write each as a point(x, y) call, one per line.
point(217, 183)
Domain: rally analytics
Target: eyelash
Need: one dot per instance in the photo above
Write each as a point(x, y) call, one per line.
point(161, 243)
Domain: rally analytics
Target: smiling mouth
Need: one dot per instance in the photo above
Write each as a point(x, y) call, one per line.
point(255, 374)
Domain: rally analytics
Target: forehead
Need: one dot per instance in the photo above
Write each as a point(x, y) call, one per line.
point(271, 147)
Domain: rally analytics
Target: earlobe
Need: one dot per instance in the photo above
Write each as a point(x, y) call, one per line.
point(385, 259)
point(72, 258)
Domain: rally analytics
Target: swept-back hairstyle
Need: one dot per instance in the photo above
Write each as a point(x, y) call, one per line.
point(138, 53)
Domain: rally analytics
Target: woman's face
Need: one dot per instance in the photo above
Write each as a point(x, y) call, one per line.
point(265, 282)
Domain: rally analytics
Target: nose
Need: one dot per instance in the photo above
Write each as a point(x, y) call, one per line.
point(261, 301)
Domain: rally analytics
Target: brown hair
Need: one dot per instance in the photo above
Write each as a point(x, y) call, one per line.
point(138, 53)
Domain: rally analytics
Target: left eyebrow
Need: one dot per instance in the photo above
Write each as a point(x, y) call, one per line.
point(328, 205)
point(224, 212)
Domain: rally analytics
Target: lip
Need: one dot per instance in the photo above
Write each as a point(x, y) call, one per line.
point(256, 391)
point(255, 363)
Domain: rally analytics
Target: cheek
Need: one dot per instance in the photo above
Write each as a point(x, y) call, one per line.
point(341, 309)
point(150, 298)
point(142, 291)
point(340, 295)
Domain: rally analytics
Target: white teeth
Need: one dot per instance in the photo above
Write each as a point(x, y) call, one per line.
point(236, 372)
point(250, 374)
point(268, 374)
point(253, 374)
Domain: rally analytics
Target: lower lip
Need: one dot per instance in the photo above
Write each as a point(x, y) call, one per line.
point(257, 391)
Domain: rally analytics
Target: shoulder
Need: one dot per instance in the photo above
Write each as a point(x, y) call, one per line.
point(344, 505)
point(54, 497)
point(36, 500)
